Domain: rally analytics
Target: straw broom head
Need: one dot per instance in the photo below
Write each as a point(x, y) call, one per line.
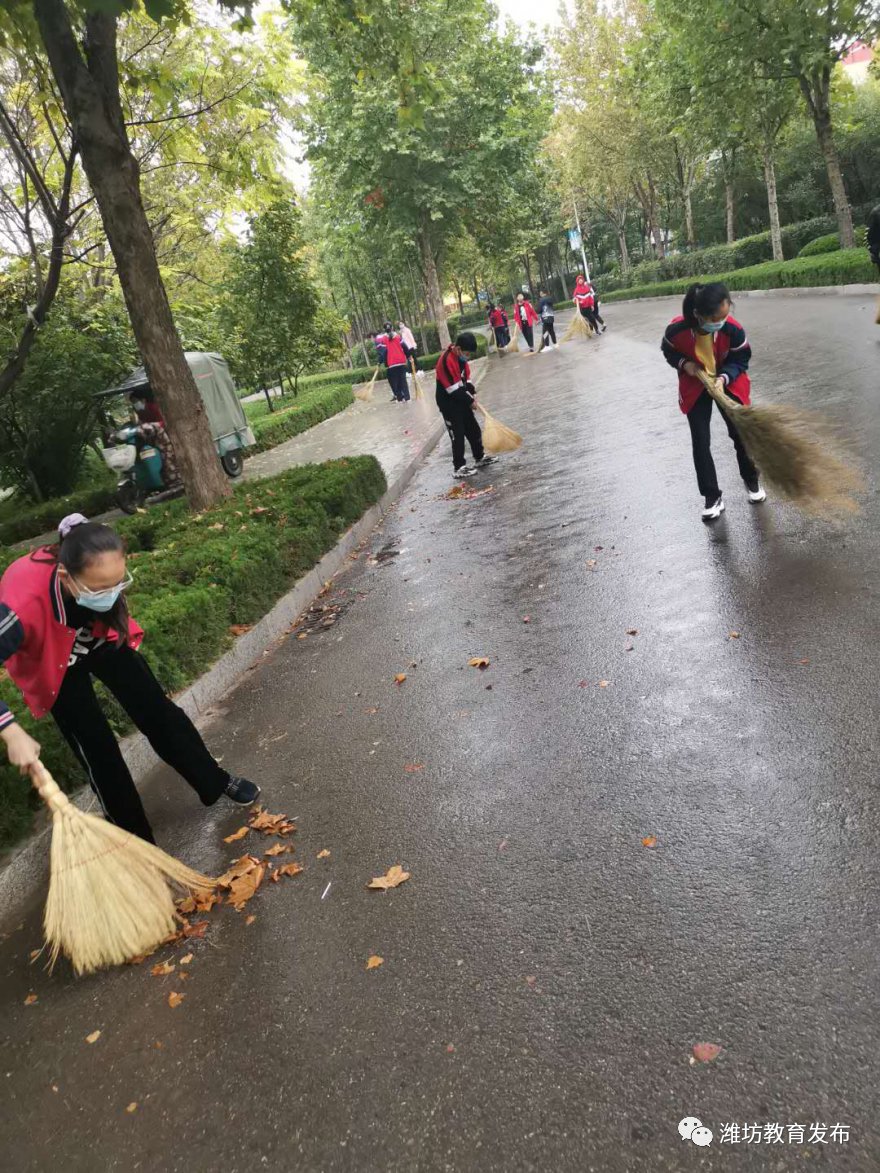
point(498, 437)
point(578, 327)
point(794, 453)
point(417, 392)
point(109, 897)
point(513, 345)
point(365, 393)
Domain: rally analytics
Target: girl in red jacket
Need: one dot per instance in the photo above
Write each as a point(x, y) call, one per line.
point(64, 621)
point(586, 300)
point(705, 337)
point(526, 317)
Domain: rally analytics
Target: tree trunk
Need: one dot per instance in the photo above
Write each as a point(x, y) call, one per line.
point(396, 297)
point(772, 203)
point(818, 99)
point(646, 194)
point(421, 323)
point(689, 218)
point(458, 296)
point(432, 286)
point(90, 89)
point(624, 251)
point(528, 274)
point(729, 209)
point(476, 288)
point(560, 257)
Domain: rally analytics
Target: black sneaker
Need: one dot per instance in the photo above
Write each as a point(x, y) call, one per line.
point(714, 507)
point(242, 792)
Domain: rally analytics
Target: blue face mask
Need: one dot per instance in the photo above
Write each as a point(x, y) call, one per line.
point(712, 327)
point(101, 601)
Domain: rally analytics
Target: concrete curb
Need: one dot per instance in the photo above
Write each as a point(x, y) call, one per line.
point(26, 863)
point(797, 291)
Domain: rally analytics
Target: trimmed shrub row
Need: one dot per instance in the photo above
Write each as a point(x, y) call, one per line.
point(831, 243)
point(312, 408)
point(196, 576)
point(37, 519)
point(845, 267)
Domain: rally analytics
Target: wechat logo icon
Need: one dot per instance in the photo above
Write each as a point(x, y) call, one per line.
point(690, 1128)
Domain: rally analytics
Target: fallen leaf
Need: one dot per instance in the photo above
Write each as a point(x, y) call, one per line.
point(93, 1037)
point(174, 999)
point(706, 1052)
point(30, 999)
point(239, 628)
point(279, 849)
point(400, 677)
point(527, 619)
point(392, 878)
point(187, 959)
point(197, 930)
point(162, 970)
point(132, 1107)
point(633, 631)
point(733, 635)
point(374, 962)
point(271, 824)
point(250, 920)
point(244, 887)
point(450, 1047)
point(583, 684)
point(604, 683)
point(184, 977)
point(649, 841)
point(414, 767)
point(478, 662)
point(187, 905)
point(236, 835)
point(35, 953)
point(287, 869)
point(803, 662)
point(531, 981)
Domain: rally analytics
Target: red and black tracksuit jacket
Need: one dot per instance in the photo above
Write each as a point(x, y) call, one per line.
point(732, 356)
point(454, 389)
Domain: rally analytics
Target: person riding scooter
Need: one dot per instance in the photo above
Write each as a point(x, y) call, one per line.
point(150, 428)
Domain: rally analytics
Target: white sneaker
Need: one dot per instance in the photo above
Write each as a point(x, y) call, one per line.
point(486, 460)
point(756, 496)
point(464, 471)
point(714, 508)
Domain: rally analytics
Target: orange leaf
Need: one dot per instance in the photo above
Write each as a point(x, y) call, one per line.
point(93, 1037)
point(278, 849)
point(132, 1107)
point(414, 767)
point(478, 662)
point(288, 869)
point(706, 1052)
point(162, 970)
point(35, 953)
point(240, 867)
point(392, 878)
point(649, 841)
point(250, 920)
point(604, 683)
point(196, 930)
point(187, 905)
point(174, 999)
point(184, 977)
point(239, 628)
point(733, 635)
point(271, 824)
point(30, 999)
point(374, 962)
point(187, 959)
point(244, 887)
point(324, 854)
point(239, 834)
point(400, 677)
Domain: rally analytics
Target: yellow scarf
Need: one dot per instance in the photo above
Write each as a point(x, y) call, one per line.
point(704, 345)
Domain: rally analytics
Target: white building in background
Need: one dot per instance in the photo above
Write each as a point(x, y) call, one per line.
point(855, 63)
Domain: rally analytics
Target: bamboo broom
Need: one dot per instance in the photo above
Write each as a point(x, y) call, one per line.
point(417, 392)
point(109, 897)
point(513, 345)
point(365, 393)
point(578, 327)
point(794, 453)
point(497, 437)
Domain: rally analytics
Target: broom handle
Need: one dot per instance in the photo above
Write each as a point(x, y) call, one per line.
point(48, 789)
point(726, 404)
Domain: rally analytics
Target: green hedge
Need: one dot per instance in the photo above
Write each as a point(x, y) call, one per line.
point(831, 243)
point(426, 362)
point(38, 519)
point(311, 408)
point(196, 576)
point(845, 267)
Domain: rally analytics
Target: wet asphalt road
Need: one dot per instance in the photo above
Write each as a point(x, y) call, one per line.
point(545, 975)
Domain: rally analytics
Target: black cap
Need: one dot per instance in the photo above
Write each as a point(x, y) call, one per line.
point(467, 342)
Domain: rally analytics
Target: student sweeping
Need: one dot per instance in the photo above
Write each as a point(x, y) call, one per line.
point(706, 338)
point(548, 317)
point(394, 355)
point(526, 318)
point(64, 620)
point(455, 396)
point(584, 297)
point(498, 322)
